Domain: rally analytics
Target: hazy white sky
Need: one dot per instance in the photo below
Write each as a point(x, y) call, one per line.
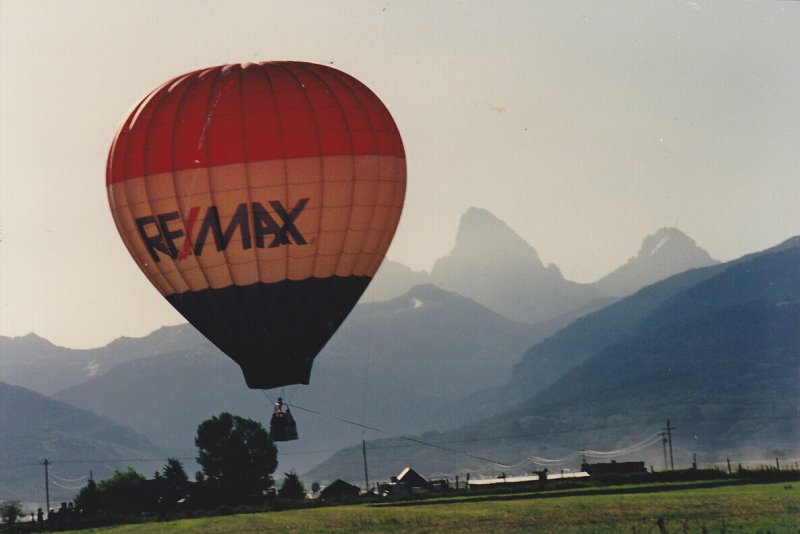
point(583, 125)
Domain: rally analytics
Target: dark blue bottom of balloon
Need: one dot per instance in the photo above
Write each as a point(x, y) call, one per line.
point(273, 331)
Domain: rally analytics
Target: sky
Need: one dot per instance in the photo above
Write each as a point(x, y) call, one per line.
point(583, 125)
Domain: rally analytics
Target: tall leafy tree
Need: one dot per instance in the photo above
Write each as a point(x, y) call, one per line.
point(292, 487)
point(174, 482)
point(88, 498)
point(124, 492)
point(10, 511)
point(237, 455)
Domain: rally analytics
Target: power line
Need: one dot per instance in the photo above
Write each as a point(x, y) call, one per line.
point(407, 438)
point(71, 488)
point(413, 441)
point(68, 480)
point(627, 450)
point(101, 461)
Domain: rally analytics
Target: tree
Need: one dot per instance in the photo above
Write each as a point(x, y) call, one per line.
point(175, 472)
point(123, 492)
point(10, 511)
point(174, 482)
point(88, 498)
point(237, 455)
point(292, 487)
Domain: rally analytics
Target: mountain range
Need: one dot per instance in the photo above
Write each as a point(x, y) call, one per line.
point(402, 365)
point(74, 442)
point(715, 350)
point(491, 264)
point(37, 364)
point(391, 365)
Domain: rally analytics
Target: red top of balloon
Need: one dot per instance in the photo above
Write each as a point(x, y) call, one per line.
point(248, 113)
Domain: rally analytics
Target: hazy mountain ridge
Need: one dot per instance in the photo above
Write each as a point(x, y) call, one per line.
point(391, 365)
point(492, 264)
point(392, 280)
point(716, 350)
point(73, 440)
point(664, 253)
point(33, 362)
point(547, 361)
point(166, 397)
point(404, 365)
point(489, 263)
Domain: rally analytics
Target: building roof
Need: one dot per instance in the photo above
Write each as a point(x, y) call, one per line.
point(411, 478)
point(338, 488)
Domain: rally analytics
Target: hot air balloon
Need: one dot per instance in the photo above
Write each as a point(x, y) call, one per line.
point(260, 200)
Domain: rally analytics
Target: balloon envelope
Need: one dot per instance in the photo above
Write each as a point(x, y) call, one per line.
point(259, 199)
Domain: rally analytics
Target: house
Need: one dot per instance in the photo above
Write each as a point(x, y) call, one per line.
point(520, 481)
point(339, 489)
point(614, 467)
point(412, 480)
point(407, 482)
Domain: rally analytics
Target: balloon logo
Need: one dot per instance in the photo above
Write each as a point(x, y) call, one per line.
point(260, 200)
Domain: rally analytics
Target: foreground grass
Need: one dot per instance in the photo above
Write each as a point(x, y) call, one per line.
point(773, 508)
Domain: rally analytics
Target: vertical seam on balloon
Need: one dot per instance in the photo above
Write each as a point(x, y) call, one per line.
point(265, 70)
point(259, 284)
point(237, 289)
point(353, 192)
point(212, 294)
point(287, 283)
point(346, 83)
point(211, 94)
point(204, 140)
point(145, 181)
point(134, 117)
point(384, 233)
point(201, 306)
point(187, 227)
point(324, 81)
point(334, 288)
point(246, 163)
point(262, 69)
point(111, 183)
point(181, 100)
point(300, 66)
point(124, 185)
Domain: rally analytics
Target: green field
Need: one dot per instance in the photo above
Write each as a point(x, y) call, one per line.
point(773, 508)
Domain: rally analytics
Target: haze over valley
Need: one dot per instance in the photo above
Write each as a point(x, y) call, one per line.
point(449, 356)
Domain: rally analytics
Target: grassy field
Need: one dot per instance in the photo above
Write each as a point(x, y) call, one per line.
point(773, 508)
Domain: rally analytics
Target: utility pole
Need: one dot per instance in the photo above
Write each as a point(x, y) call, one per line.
point(364, 453)
point(669, 430)
point(47, 483)
point(664, 446)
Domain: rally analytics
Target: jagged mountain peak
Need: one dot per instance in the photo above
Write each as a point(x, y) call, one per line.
point(495, 266)
point(33, 339)
point(664, 239)
point(29, 343)
point(480, 230)
point(666, 252)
